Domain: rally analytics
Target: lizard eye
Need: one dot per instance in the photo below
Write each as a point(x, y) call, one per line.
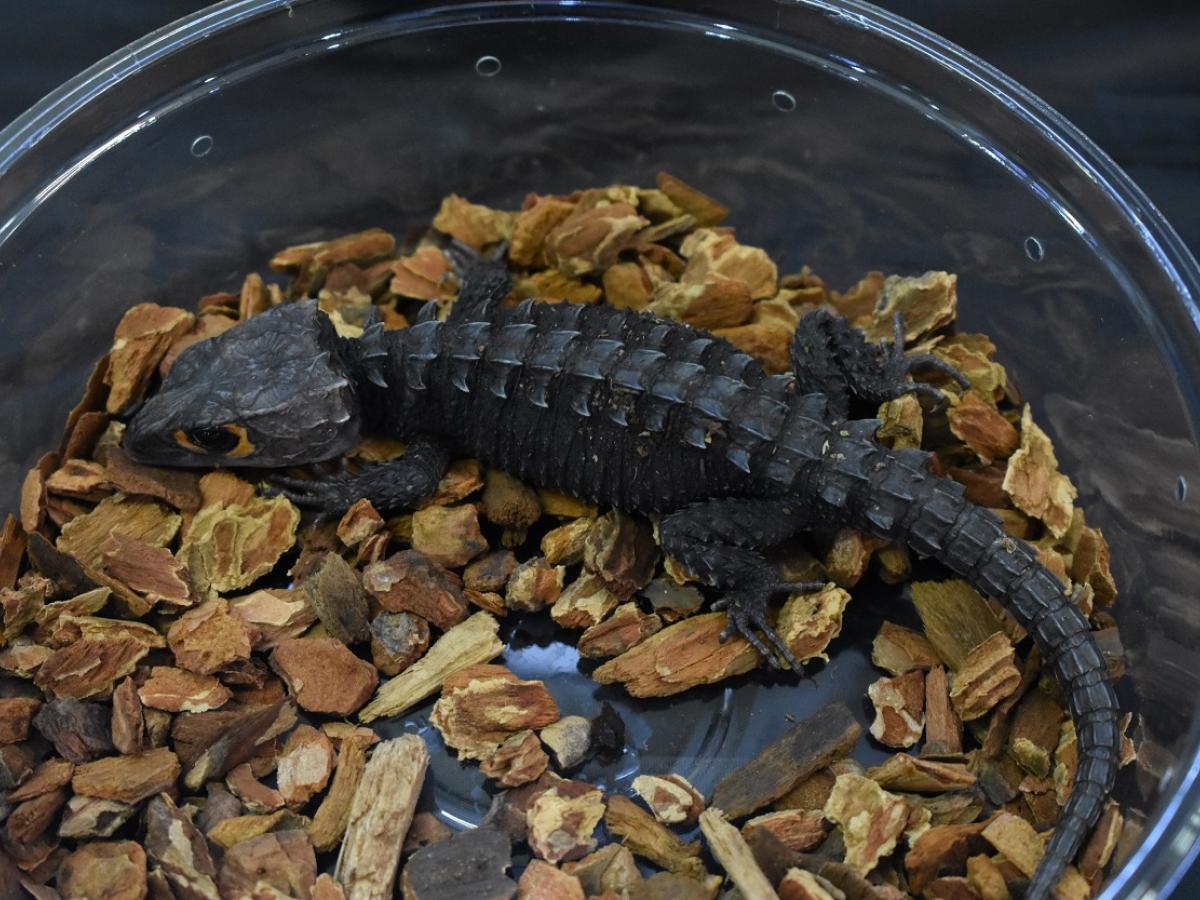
point(227, 440)
point(214, 440)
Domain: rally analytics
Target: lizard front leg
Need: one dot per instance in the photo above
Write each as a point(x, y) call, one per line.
point(399, 484)
point(719, 542)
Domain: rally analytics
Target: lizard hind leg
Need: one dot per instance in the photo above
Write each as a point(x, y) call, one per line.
point(720, 543)
point(485, 280)
point(831, 356)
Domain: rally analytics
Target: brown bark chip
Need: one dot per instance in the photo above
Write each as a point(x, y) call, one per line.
point(257, 797)
point(332, 816)
point(209, 638)
point(471, 864)
point(671, 798)
point(324, 675)
point(49, 776)
point(176, 847)
point(731, 851)
point(281, 862)
point(542, 881)
point(899, 709)
point(128, 779)
point(79, 731)
point(16, 715)
point(621, 550)
point(154, 573)
point(561, 821)
point(627, 627)
point(128, 722)
point(335, 591)
point(379, 818)
point(468, 643)
point(397, 641)
point(533, 585)
point(679, 657)
point(482, 705)
point(988, 675)
point(519, 760)
point(142, 337)
point(104, 871)
point(806, 747)
point(413, 582)
point(448, 535)
point(178, 690)
point(650, 839)
point(304, 765)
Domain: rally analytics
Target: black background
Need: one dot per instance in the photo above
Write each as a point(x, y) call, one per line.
point(1127, 73)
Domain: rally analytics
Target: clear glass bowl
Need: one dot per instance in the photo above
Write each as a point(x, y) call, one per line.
point(842, 137)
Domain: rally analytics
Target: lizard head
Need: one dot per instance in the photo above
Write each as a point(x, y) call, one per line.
point(275, 390)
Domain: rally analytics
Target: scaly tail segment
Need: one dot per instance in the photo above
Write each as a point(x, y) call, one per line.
point(894, 496)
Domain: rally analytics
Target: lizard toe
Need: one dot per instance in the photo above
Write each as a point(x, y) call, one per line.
point(747, 614)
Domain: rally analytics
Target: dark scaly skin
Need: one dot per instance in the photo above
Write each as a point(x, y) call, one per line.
point(649, 416)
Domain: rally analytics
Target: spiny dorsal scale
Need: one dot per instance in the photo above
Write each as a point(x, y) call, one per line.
point(631, 373)
point(782, 466)
point(835, 494)
point(654, 414)
point(812, 406)
point(778, 387)
point(372, 341)
point(804, 438)
point(761, 416)
point(511, 344)
point(696, 436)
point(564, 315)
point(579, 402)
point(534, 390)
point(458, 378)
point(551, 351)
point(736, 365)
point(658, 334)
point(915, 459)
point(466, 341)
point(524, 309)
point(740, 457)
point(675, 380)
point(850, 459)
point(414, 373)
point(374, 351)
point(427, 313)
point(597, 358)
point(496, 380)
point(616, 414)
point(861, 429)
point(422, 341)
point(880, 518)
point(717, 400)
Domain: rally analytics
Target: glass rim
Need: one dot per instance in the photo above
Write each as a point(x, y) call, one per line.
point(1169, 844)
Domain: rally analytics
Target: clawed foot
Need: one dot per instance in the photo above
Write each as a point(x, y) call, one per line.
point(897, 367)
point(747, 612)
point(463, 257)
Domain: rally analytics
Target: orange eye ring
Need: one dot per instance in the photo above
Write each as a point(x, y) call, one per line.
point(243, 447)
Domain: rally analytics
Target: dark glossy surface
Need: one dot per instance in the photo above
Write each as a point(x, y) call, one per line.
point(980, 228)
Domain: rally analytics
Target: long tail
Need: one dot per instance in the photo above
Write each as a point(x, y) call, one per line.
point(894, 496)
